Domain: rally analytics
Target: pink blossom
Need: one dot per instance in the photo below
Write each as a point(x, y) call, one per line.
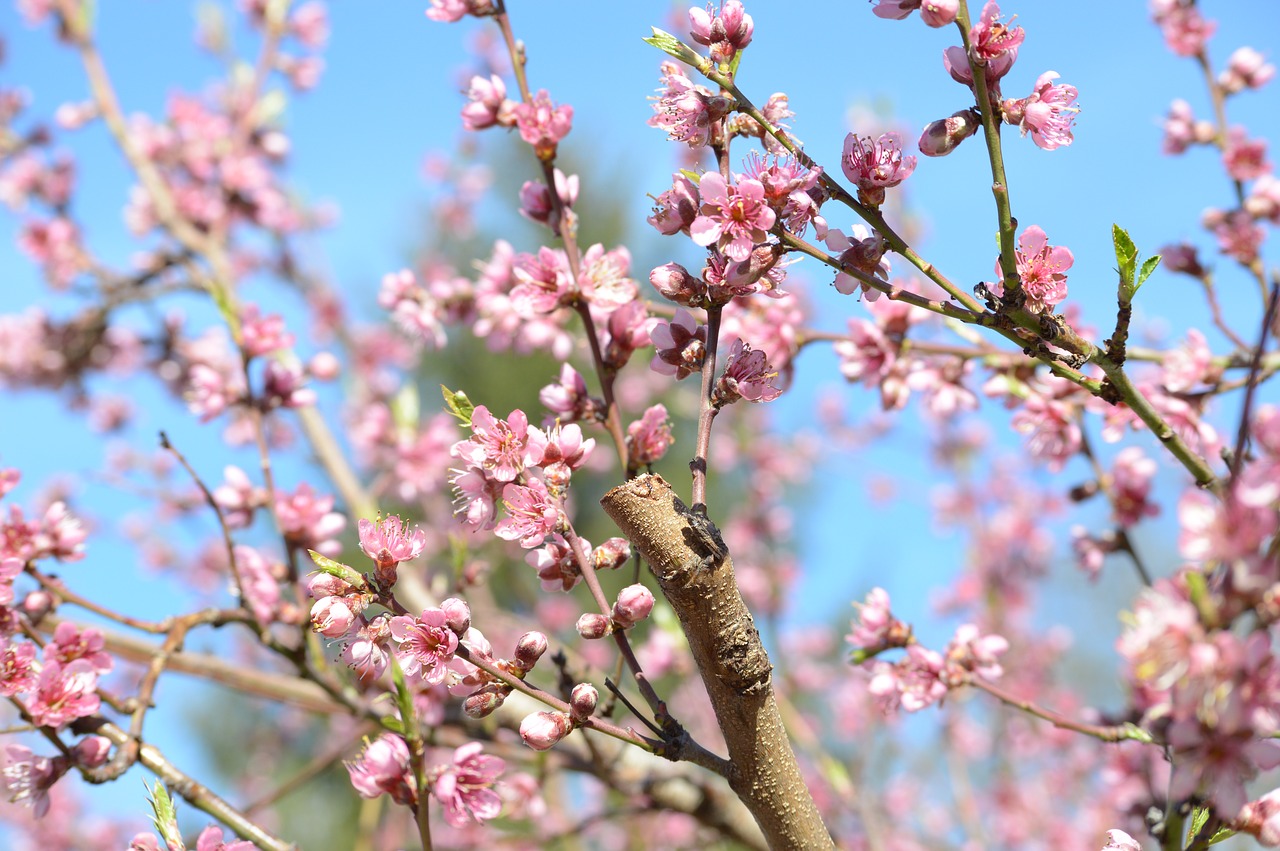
point(626, 331)
point(537, 205)
point(649, 437)
point(864, 251)
point(542, 124)
point(1185, 30)
point(1243, 158)
point(475, 497)
point(28, 778)
point(1239, 237)
point(1212, 530)
point(366, 654)
point(1189, 365)
point(1131, 485)
point(680, 345)
point(747, 375)
point(543, 283)
point(941, 380)
point(1246, 69)
point(944, 135)
point(733, 217)
point(913, 683)
point(426, 645)
point(935, 13)
point(687, 112)
point(874, 165)
point(991, 38)
point(560, 450)
point(1182, 130)
point(413, 309)
point(1042, 268)
point(284, 386)
point(1261, 819)
point(1052, 429)
point(71, 643)
point(308, 520)
point(556, 564)
point(383, 768)
point(633, 605)
point(10, 567)
point(676, 208)
point(211, 839)
point(603, 277)
point(498, 448)
point(238, 498)
point(18, 668)
point(975, 652)
point(1047, 113)
point(1118, 840)
point(61, 535)
point(567, 399)
point(64, 693)
point(790, 188)
point(333, 616)
point(465, 788)
point(310, 24)
point(1263, 200)
point(866, 355)
point(261, 335)
point(487, 103)
point(389, 541)
point(532, 514)
point(726, 33)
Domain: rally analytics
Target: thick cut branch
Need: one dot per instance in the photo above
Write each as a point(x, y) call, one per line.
point(696, 577)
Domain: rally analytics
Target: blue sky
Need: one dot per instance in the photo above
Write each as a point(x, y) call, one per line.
point(390, 94)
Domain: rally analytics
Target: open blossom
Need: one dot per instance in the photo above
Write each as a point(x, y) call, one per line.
point(383, 768)
point(975, 652)
point(28, 778)
point(498, 448)
point(567, 399)
point(261, 335)
point(388, 540)
point(680, 345)
point(877, 629)
point(308, 520)
point(556, 564)
point(71, 643)
point(1243, 158)
point(747, 375)
point(1118, 840)
point(866, 355)
point(1185, 30)
point(686, 111)
point(543, 124)
point(487, 103)
point(543, 282)
point(1246, 69)
point(64, 693)
point(649, 437)
point(874, 165)
point(1047, 113)
point(991, 38)
point(560, 450)
point(532, 514)
point(18, 668)
point(912, 684)
point(676, 208)
point(1131, 485)
point(465, 788)
point(733, 217)
point(1052, 429)
point(427, 644)
point(1042, 268)
point(864, 251)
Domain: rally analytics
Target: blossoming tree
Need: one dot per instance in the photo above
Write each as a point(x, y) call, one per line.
point(425, 604)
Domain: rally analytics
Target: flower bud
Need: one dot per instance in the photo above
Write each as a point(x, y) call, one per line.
point(634, 604)
point(91, 751)
point(541, 730)
point(593, 626)
point(457, 615)
point(612, 554)
point(582, 701)
point(943, 136)
point(675, 283)
point(529, 650)
point(332, 617)
point(324, 366)
point(482, 703)
point(37, 604)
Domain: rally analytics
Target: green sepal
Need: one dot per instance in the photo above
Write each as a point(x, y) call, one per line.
point(392, 724)
point(458, 404)
point(674, 47)
point(349, 575)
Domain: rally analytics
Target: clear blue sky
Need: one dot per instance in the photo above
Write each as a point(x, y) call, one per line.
point(390, 94)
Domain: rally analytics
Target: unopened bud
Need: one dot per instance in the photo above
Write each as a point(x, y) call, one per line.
point(612, 554)
point(91, 751)
point(529, 650)
point(37, 604)
point(675, 283)
point(634, 604)
point(457, 615)
point(592, 626)
point(482, 703)
point(541, 730)
point(583, 701)
point(943, 136)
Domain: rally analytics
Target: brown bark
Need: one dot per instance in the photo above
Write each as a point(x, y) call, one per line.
point(696, 576)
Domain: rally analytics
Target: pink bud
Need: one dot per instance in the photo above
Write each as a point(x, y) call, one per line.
point(482, 703)
point(583, 701)
point(37, 604)
point(457, 615)
point(541, 730)
point(634, 604)
point(675, 283)
point(593, 626)
point(324, 366)
point(612, 554)
point(327, 585)
point(332, 617)
point(945, 135)
point(529, 650)
point(91, 751)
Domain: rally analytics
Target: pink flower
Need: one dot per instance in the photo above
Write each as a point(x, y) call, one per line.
point(726, 33)
point(633, 605)
point(543, 124)
point(1042, 268)
point(498, 448)
point(864, 251)
point(943, 136)
point(649, 437)
point(1239, 237)
point(935, 13)
point(1053, 433)
point(543, 283)
point(366, 654)
point(70, 643)
point(18, 671)
point(992, 39)
point(913, 683)
point(64, 694)
point(975, 652)
point(1189, 365)
point(308, 520)
point(1130, 485)
point(747, 375)
point(560, 450)
point(310, 24)
point(1246, 69)
point(1047, 113)
point(1261, 819)
point(532, 514)
point(427, 644)
point(1182, 130)
point(10, 567)
point(383, 768)
point(238, 498)
point(465, 789)
point(733, 217)
point(866, 355)
point(1185, 31)
point(210, 839)
point(686, 111)
point(1212, 530)
point(567, 399)
point(1243, 158)
point(261, 335)
point(875, 165)
point(556, 565)
point(537, 205)
point(486, 103)
point(1118, 840)
point(389, 541)
point(680, 345)
point(451, 11)
point(28, 778)
point(677, 207)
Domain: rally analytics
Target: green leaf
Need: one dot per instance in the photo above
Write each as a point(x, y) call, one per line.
point(1223, 833)
point(166, 816)
point(349, 575)
point(1126, 252)
point(458, 404)
point(673, 46)
point(1148, 266)
point(1198, 818)
point(404, 700)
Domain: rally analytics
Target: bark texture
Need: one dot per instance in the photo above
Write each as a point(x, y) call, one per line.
point(696, 576)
